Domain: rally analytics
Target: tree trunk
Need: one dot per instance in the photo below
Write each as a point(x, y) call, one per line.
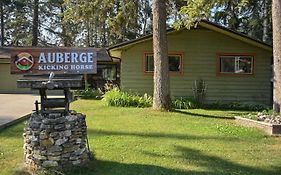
point(136, 21)
point(96, 32)
point(88, 39)
point(265, 22)
point(161, 96)
point(276, 20)
point(64, 34)
point(145, 12)
point(35, 24)
point(2, 23)
point(103, 35)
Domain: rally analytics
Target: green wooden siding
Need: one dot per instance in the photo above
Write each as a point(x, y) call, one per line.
point(8, 82)
point(200, 48)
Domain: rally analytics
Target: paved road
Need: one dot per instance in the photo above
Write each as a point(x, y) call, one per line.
point(15, 106)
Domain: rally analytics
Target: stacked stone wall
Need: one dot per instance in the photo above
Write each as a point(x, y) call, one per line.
point(55, 140)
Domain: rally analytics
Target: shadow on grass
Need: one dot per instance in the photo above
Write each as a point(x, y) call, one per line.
point(206, 164)
point(156, 135)
point(103, 167)
point(203, 115)
point(212, 164)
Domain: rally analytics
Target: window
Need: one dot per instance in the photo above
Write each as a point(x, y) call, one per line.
point(107, 72)
point(242, 65)
point(175, 63)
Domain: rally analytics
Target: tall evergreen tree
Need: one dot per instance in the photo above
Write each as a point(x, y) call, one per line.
point(276, 19)
point(3, 19)
point(18, 23)
point(2, 22)
point(35, 23)
point(244, 16)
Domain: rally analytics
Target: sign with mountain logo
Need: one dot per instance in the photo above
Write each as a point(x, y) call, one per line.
point(57, 60)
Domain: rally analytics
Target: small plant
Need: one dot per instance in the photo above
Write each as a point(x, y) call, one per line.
point(116, 97)
point(109, 85)
point(184, 103)
point(199, 91)
point(87, 93)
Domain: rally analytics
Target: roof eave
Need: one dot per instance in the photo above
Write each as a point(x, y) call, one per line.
point(205, 24)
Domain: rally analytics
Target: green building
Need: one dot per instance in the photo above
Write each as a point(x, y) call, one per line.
point(234, 66)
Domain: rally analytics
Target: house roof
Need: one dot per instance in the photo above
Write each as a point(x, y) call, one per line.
point(102, 54)
point(203, 23)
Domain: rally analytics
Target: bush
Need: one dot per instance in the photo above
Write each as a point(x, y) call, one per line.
point(199, 91)
point(237, 106)
point(185, 103)
point(108, 86)
point(115, 97)
point(87, 93)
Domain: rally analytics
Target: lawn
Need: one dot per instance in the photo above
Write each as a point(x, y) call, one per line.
point(135, 141)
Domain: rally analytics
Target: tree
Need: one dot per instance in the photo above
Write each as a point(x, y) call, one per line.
point(35, 23)
point(18, 23)
point(265, 36)
point(3, 15)
point(2, 22)
point(161, 95)
point(245, 16)
point(276, 20)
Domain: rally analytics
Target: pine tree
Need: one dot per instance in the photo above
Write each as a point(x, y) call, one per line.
point(161, 95)
point(244, 16)
point(2, 22)
point(35, 24)
point(276, 19)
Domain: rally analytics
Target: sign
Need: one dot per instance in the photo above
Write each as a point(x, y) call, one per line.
point(57, 60)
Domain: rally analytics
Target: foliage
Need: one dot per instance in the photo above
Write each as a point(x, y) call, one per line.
point(106, 22)
point(185, 103)
point(17, 23)
point(87, 93)
point(129, 141)
point(199, 91)
point(245, 16)
point(236, 106)
point(109, 85)
point(96, 23)
point(116, 97)
point(191, 103)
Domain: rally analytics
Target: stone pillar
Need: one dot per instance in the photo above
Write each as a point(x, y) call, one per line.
point(55, 141)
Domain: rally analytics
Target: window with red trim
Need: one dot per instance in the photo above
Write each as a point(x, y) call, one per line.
point(236, 64)
point(175, 63)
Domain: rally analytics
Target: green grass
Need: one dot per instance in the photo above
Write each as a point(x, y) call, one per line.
point(134, 141)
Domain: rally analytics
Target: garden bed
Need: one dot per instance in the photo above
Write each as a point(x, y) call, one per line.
point(271, 129)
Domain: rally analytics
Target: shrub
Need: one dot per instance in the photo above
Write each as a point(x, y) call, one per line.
point(185, 103)
point(108, 86)
point(237, 106)
point(115, 97)
point(199, 91)
point(87, 93)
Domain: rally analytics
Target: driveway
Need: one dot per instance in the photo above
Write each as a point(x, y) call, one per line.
point(15, 106)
